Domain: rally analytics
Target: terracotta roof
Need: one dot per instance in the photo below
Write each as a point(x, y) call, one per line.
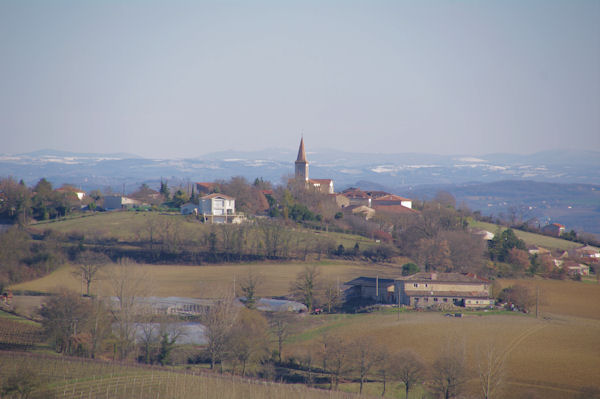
point(215, 195)
point(446, 277)
point(355, 193)
point(377, 193)
point(395, 209)
point(392, 197)
point(301, 152)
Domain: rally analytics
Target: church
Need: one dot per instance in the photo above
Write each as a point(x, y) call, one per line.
point(301, 173)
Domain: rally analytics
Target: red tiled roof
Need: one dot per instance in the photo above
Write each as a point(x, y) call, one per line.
point(355, 193)
point(392, 197)
point(395, 209)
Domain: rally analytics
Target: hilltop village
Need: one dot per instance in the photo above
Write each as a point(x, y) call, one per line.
point(287, 282)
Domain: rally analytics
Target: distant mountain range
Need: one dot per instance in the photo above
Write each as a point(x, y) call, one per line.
point(468, 177)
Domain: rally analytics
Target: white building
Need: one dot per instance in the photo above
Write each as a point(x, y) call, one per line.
point(114, 202)
point(218, 208)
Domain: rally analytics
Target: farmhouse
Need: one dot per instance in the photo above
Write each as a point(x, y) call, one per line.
point(422, 290)
point(461, 289)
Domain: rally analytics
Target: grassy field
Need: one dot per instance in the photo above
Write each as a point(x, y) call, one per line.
point(531, 238)
point(127, 225)
point(204, 281)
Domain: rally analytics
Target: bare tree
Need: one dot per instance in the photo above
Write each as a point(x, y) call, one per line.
point(128, 283)
point(280, 326)
point(384, 368)
point(307, 360)
point(305, 286)
point(336, 355)
point(90, 263)
point(491, 368)
point(219, 319)
point(366, 354)
point(332, 295)
point(409, 368)
point(449, 371)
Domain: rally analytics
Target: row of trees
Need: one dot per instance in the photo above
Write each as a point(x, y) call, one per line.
point(363, 359)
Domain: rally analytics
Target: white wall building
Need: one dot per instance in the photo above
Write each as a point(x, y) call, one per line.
point(217, 208)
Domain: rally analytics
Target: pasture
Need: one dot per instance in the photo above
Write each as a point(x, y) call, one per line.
point(530, 238)
point(130, 225)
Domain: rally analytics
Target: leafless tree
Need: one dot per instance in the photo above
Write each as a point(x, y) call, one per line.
point(491, 369)
point(219, 319)
point(365, 354)
point(306, 285)
point(332, 295)
point(384, 368)
point(280, 327)
point(409, 368)
point(449, 372)
point(128, 283)
point(90, 263)
point(335, 353)
point(307, 360)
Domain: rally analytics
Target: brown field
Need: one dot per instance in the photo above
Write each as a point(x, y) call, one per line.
point(200, 281)
point(567, 298)
point(553, 356)
point(556, 357)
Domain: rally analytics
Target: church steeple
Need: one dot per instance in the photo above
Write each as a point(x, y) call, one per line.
point(301, 153)
point(301, 163)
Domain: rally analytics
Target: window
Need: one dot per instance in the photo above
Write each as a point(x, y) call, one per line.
point(445, 299)
point(425, 299)
point(416, 285)
point(435, 299)
point(425, 285)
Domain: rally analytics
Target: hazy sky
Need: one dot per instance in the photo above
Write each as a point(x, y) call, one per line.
point(182, 78)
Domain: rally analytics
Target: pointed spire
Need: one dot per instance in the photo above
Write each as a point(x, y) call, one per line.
point(301, 153)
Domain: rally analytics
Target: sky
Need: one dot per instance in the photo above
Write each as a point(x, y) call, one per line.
point(178, 79)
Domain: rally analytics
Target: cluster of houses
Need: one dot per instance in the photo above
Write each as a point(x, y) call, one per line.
point(572, 261)
point(219, 208)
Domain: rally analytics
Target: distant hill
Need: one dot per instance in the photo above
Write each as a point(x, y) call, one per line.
point(492, 183)
point(577, 206)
